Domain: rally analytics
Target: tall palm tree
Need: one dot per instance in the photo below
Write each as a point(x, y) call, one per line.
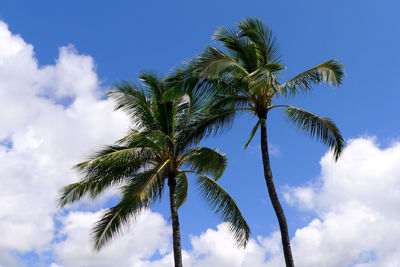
point(246, 77)
point(158, 149)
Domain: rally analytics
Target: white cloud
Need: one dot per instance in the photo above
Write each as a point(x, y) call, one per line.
point(149, 234)
point(357, 203)
point(44, 136)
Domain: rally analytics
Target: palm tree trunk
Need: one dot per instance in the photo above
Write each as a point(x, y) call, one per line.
point(176, 232)
point(274, 196)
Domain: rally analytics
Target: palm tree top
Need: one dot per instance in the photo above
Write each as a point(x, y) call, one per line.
point(159, 147)
point(245, 76)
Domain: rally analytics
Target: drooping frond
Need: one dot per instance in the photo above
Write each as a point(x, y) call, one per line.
point(205, 160)
point(112, 166)
point(320, 127)
point(72, 193)
point(263, 39)
point(182, 187)
point(225, 207)
point(117, 219)
point(253, 132)
point(331, 71)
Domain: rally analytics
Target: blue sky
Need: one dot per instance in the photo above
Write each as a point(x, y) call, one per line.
point(123, 38)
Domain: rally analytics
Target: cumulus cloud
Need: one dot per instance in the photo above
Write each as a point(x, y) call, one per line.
point(356, 202)
point(149, 235)
point(51, 116)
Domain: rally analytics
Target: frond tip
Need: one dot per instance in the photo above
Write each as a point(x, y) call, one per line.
point(331, 72)
point(320, 127)
point(225, 206)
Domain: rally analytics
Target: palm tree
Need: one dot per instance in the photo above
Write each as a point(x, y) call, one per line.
point(158, 149)
point(246, 77)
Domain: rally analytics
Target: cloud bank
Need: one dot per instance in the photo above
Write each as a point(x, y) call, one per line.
point(51, 116)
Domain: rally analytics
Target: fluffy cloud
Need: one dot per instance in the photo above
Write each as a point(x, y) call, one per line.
point(149, 235)
point(356, 201)
point(50, 117)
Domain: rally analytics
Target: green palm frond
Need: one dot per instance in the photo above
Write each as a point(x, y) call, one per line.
point(211, 121)
point(150, 183)
point(149, 139)
point(225, 207)
point(261, 79)
point(263, 39)
point(253, 132)
point(113, 166)
point(331, 71)
point(116, 220)
point(320, 127)
point(239, 48)
point(205, 160)
point(72, 193)
point(133, 100)
point(153, 84)
point(182, 187)
point(214, 62)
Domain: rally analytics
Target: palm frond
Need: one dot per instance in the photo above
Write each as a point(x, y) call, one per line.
point(211, 121)
point(263, 38)
point(116, 220)
point(253, 132)
point(153, 84)
point(182, 187)
point(133, 100)
point(205, 160)
point(214, 62)
point(320, 127)
point(225, 207)
point(150, 183)
point(262, 79)
point(239, 48)
point(72, 193)
point(112, 166)
point(331, 71)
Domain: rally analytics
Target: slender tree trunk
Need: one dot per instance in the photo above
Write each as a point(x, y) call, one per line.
point(274, 196)
point(176, 232)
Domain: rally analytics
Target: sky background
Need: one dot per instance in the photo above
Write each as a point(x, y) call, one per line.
point(57, 59)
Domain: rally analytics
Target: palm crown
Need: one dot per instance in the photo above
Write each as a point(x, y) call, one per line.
point(158, 148)
point(245, 77)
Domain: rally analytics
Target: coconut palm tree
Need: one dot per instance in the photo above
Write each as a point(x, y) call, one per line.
point(158, 150)
point(246, 77)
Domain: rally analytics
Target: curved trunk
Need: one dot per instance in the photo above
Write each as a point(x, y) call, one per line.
point(176, 232)
point(274, 196)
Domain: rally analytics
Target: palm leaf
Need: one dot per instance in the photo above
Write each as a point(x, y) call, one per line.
point(133, 100)
point(115, 220)
point(205, 160)
point(330, 71)
point(253, 132)
point(320, 127)
point(181, 189)
point(239, 48)
point(226, 207)
point(263, 39)
point(214, 62)
point(150, 183)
